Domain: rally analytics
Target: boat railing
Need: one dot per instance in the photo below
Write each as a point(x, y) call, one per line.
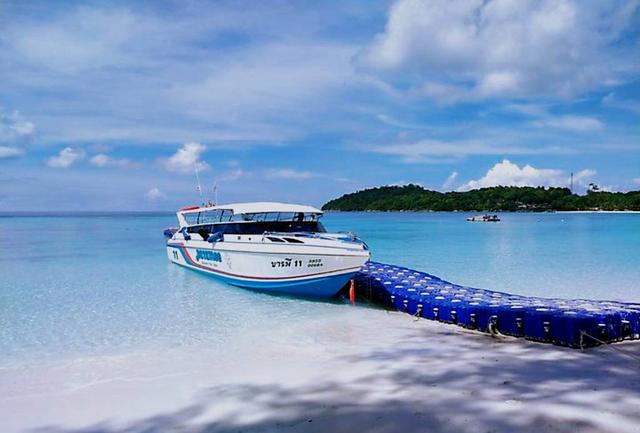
point(293, 234)
point(341, 236)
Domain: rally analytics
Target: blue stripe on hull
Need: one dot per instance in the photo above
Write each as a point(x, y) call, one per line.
point(321, 287)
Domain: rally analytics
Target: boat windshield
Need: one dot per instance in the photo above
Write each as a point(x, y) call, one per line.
point(227, 216)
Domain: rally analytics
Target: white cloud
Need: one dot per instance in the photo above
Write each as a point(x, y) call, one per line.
point(100, 160)
point(391, 121)
point(295, 174)
point(10, 152)
point(154, 194)
point(66, 158)
point(24, 128)
point(527, 109)
point(288, 173)
point(506, 173)
point(612, 100)
point(503, 48)
point(544, 119)
point(187, 159)
point(101, 148)
point(13, 127)
point(92, 38)
point(437, 151)
point(103, 160)
point(499, 83)
point(404, 183)
point(234, 174)
point(581, 177)
point(275, 82)
point(636, 180)
point(450, 181)
point(571, 123)
point(260, 90)
point(441, 92)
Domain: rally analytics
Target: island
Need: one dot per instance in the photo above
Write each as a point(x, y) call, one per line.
point(499, 198)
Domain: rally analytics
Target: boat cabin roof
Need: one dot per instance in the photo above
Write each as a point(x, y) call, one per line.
point(254, 207)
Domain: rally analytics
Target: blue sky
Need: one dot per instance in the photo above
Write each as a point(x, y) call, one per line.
point(111, 105)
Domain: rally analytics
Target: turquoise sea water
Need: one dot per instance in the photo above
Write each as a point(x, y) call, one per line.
point(84, 285)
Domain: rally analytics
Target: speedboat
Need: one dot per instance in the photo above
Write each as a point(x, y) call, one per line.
point(271, 247)
point(484, 218)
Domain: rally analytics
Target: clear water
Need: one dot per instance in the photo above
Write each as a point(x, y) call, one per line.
point(76, 285)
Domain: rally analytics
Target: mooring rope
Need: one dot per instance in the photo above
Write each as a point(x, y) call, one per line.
point(605, 344)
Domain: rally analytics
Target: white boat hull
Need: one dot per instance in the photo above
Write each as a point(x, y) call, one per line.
point(309, 271)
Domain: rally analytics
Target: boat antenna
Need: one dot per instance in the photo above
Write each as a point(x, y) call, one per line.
point(199, 187)
point(215, 192)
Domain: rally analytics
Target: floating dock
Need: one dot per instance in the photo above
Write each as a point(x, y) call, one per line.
point(572, 323)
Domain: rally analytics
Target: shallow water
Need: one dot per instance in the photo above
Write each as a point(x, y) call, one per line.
point(77, 286)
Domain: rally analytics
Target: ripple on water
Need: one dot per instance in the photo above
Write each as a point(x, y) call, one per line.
point(104, 286)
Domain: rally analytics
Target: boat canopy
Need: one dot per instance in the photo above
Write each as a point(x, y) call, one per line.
point(255, 207)
point(247, 212)
point(261, 207)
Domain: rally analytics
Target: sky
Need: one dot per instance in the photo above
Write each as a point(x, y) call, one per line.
point(113, 105)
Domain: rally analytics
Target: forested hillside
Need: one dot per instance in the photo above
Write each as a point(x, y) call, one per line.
point(499, 198)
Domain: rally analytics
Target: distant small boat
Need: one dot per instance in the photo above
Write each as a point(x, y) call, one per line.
point(484, 218)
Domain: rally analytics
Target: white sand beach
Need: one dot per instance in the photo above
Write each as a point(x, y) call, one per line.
point(360, 370)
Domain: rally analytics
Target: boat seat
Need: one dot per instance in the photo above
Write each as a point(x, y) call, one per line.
point(194, 236)
point(204, 234)
point(215, 237)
